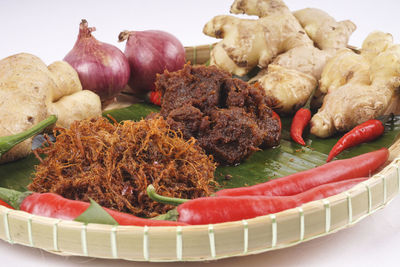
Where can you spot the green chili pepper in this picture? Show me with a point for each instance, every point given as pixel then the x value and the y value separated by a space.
pixel 8 142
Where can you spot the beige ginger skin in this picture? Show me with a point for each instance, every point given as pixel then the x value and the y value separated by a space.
pixel 30 91
pixel 281 42
pixel 359 87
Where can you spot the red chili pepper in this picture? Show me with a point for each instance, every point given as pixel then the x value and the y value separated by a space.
pixel 359 166
pixel 56 206
pixel 225 209
pixel 5 204
pixel 365 132
pixel 154 97
pixel 276 116
pixel 299 122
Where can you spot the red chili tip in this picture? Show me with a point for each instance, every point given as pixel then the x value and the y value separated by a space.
pixel 301 141
pixel 5 204
pixel 330 157
pixel 299 122
pixel 276 116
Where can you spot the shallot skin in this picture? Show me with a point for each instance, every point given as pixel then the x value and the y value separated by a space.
pixel 149 53
pixel 102 67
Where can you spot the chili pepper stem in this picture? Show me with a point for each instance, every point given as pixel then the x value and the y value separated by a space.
pixel 12 197
pixel 8 142
pixel 171 215
pixel 151 192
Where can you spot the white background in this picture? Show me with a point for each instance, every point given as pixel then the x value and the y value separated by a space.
pixel 48 29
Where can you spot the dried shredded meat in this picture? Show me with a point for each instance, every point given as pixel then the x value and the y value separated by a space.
pixel 114 163
pixel 229 117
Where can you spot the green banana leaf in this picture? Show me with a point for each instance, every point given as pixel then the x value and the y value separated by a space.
pixel 290 157
pixel 96 214
pixel 263 165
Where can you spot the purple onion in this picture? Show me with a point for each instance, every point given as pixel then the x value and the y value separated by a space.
pixel 102 67
pixel 151 52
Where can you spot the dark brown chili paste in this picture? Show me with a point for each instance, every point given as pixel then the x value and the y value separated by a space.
pixel 230 118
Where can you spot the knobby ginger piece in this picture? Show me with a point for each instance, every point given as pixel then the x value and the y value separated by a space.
pixel 327 33
pixel 69 102
pixel 348 65
pixel 30 92
pixel 68 83
pixel 72 107
pixel 288 84
pixel 248 43
pixel 276 40
pixel 243 47
pixel 359 87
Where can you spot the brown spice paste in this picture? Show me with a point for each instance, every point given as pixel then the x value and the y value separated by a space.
pixel 114 163
pixel 229 117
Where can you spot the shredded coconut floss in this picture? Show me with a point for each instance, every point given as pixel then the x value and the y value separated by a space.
pixel 113 163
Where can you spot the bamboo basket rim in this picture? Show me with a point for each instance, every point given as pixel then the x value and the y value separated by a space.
pixel 27 235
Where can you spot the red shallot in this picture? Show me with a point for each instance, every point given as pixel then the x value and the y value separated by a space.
pixel 151 52
pixel 102 67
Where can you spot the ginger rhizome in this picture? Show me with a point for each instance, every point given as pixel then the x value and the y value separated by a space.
pixel 358 87
pixel 279 42
pixel 30 91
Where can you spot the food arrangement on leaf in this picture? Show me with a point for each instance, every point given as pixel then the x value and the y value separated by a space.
pixel 113 164
pixel 229 141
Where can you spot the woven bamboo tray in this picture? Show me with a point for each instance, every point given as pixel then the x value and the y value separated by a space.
pixel 206 242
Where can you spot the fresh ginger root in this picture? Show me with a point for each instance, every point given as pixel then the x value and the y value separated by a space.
pixel 358 87
pixel 30 91
pixel 278 42
pixel 328 34
pixel 69 101
pixel 244 43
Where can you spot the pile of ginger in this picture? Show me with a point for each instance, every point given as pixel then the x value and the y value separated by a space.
pixel 357 87
pixel 305 53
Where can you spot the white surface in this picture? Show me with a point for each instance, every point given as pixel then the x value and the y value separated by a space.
pixel 48 29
